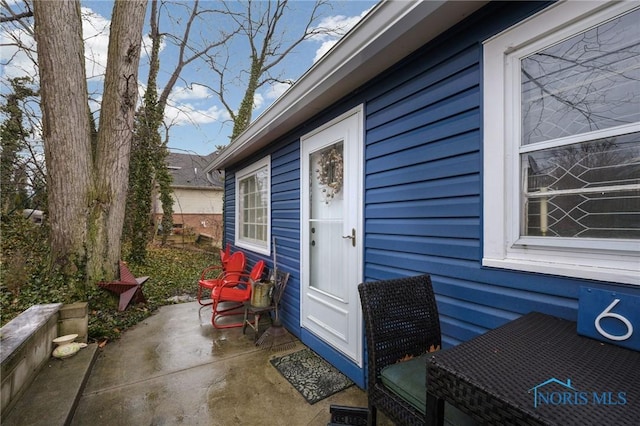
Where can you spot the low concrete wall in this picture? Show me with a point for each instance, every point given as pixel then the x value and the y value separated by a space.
pixel 74 319
pixel 27 344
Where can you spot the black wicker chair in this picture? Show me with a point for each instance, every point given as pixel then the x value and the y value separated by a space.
pixel 401 321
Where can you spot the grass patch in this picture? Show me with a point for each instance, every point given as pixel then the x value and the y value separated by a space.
pixel 172 272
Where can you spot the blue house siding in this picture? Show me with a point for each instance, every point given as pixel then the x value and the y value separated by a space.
pixel 285 226
pixel 229 207
pixel 422 188
pixel 423 185
pixel 285 221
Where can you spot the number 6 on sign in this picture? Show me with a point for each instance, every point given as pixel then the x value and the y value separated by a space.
pixel 610 315
pixel 607 313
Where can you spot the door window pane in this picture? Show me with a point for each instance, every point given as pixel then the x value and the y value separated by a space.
pixel 326 220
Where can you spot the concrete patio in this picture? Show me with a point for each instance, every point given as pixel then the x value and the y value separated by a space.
pixel 175 368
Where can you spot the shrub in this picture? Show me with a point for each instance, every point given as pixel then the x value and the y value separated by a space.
pixel 26 280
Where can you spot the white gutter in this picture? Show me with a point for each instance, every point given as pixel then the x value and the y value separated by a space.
pixel 387 34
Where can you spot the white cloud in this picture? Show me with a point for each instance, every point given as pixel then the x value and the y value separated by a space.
pixel 187 114
pixel 180 113
pixel 324 48
pixel 196 91
pixel 18 62
pixel 276 90
pixel 258 101
pixel 95 31
pixel 341 24
pixel 273 92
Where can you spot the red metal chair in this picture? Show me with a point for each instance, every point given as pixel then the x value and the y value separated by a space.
pixel 233 293
pixel 225 254
pixel 232 266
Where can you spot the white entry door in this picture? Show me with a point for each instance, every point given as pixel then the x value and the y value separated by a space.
pixel 331 195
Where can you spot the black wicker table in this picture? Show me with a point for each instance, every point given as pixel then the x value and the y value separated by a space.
pixel 537 370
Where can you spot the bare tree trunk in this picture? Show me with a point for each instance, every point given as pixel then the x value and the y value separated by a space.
pixel 65 111
pixel 87 189
pixel 114 138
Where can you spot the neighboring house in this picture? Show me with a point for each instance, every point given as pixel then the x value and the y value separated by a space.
pixel 197 195
pixel 493 145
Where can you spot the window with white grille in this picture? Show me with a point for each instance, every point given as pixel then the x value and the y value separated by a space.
pixel 562 143
pixel 253 206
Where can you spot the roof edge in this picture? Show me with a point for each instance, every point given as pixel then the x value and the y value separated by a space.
pixel 387 34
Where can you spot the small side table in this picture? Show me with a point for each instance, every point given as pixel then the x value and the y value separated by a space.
pixel 257 312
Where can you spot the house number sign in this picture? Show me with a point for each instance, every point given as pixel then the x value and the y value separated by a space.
pixel 610 316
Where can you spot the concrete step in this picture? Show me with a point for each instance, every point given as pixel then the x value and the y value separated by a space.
pixel 52 397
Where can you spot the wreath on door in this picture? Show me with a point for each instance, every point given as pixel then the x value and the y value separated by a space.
pixel 330 173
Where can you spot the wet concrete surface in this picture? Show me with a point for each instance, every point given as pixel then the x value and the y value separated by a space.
pixel 175 368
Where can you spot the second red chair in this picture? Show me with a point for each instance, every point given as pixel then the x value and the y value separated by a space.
pixel 231 268
pixel 233 293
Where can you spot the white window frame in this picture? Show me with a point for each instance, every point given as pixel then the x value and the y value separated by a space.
pixel 252 244
pixel 503 246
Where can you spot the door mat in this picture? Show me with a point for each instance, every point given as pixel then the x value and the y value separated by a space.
pixel 311 375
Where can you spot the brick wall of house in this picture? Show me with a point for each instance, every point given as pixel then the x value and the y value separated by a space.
pixel 209 225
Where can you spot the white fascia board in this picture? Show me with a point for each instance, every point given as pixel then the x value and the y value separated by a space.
pixel 390 32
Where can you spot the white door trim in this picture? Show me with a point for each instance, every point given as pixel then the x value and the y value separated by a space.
pixel 354 183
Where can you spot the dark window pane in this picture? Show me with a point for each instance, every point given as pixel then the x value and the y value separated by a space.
pixel 585 190
pixel 589 215
pixel 588 82
pixel 604 162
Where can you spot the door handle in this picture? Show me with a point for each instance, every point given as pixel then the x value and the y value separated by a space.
pixel 352 237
